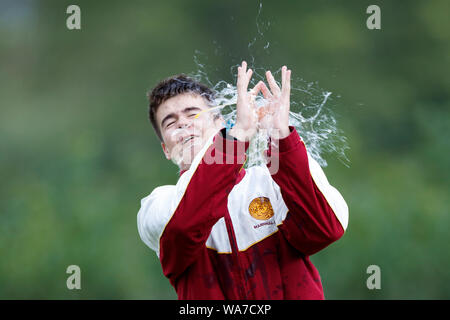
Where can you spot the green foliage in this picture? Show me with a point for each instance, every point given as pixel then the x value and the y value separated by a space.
pixel 78 153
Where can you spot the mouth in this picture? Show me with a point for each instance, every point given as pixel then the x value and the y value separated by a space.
pixel 188 138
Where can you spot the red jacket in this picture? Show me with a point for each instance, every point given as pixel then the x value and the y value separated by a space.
pixel 223 232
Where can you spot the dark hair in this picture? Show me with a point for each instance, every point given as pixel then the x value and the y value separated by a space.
pixel 172 87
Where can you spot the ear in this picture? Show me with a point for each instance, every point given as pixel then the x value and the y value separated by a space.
pixel 165 150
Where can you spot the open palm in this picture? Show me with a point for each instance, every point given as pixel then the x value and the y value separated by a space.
pixel 275 114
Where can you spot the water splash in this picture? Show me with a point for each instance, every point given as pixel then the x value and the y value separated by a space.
pixel 310 112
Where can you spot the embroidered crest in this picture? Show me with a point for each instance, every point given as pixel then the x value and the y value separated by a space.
pixel 260 208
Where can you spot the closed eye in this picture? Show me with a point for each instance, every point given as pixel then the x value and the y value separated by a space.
pixel 191 112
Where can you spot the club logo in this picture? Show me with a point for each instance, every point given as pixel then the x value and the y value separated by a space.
pixel 260 208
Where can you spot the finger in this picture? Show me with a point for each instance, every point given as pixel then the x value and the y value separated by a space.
pixel 241 83
pixel 249 74
pixel 265 91
pixel 272 83
pixel 242 69
pixel 248 77
pixel 256 89
pixel 287 86
pixel 283 77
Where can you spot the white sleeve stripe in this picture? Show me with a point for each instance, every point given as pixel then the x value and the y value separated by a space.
pixel 331 195
pixel 158 208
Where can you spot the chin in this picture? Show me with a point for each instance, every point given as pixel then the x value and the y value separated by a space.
pixel 184 158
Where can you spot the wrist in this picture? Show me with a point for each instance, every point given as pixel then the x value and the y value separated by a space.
pixel 285 144
pixel 280 133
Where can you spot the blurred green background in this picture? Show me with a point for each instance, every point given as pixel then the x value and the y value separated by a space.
pixel 77 152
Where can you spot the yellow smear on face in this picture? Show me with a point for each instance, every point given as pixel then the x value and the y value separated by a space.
pixel 213 108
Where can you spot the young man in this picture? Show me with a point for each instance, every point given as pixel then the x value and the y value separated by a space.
pixel 223 232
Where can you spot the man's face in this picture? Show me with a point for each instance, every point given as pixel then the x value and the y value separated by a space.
pixel 183 134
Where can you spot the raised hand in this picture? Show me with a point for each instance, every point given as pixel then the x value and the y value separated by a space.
pixel 275 115
pixel 246 116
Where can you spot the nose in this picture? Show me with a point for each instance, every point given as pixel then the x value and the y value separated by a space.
pixel 183 122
